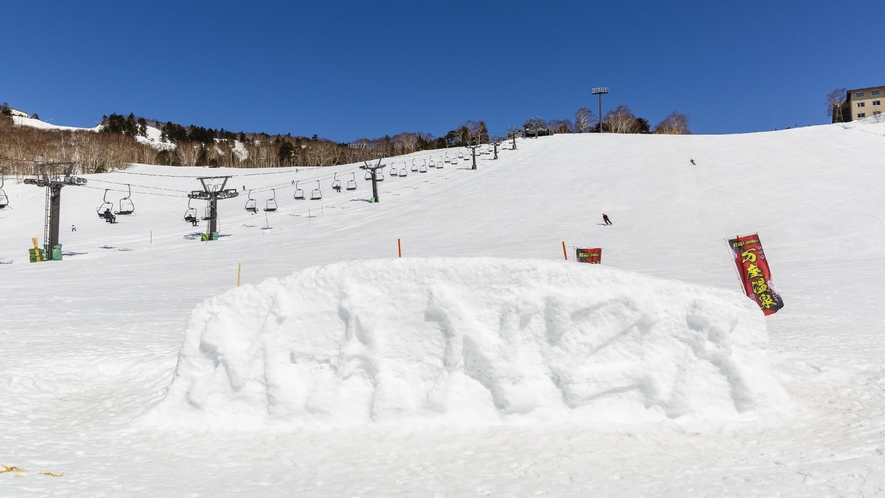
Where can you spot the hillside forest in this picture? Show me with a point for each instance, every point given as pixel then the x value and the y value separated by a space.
pixel 120 140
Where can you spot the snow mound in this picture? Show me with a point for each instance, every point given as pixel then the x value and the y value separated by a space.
pixel 470 342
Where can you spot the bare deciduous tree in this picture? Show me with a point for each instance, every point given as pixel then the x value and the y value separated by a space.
pixel 585 120
pixel 673 124
pixel 188 152
pixel 620 120
pixel 560 126
pixel 835 100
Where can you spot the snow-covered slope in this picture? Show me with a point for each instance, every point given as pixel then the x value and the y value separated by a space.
pixel 91 343
pixel 43 125
pixel 152 135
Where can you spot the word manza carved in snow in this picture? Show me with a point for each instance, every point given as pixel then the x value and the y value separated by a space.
pixel 472 341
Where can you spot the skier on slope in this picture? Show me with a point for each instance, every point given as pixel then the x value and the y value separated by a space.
pixel 606 220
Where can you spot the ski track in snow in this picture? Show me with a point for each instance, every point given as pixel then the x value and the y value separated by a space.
pixel 91 343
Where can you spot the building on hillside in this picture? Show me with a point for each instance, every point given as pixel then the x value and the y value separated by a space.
pixel 16 112
pixel 861 103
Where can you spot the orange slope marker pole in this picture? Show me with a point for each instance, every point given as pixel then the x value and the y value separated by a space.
pixel 564 252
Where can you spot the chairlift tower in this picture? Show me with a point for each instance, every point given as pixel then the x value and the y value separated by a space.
pixel 373 169
pixel 213 190
pixel 513 130
pixel 473 148
pixel 49 176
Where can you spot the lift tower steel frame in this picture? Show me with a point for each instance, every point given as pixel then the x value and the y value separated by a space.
pixel 373 169
pixel 473 146
pixel 53 181
pixel 212 192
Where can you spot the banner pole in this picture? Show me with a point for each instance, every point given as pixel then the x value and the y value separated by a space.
pixel 399 248
pixel 734 264
pixel 239 268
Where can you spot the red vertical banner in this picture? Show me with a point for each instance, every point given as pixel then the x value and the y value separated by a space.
pixel 592 256
pixel 754 272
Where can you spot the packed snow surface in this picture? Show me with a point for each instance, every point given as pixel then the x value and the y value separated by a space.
pixel 96 350
pixel 473 340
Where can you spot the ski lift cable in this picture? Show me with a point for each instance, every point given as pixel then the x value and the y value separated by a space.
pixel 91 180
pixel 283 186
pixel 187 177
pixel 139 193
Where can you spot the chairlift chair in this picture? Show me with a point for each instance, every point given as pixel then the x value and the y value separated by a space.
pixel 440 164
pixel 379 174
pixel 351 184
pixel 4 200
pixel 403 171
pixel 190 215
pixel 414 166
pixel 455 160
pixel 299 192
pixel 126 205
pixel 394 171
pixel 251 205
pixel 368 176
pixel 106 206
pixel 271 204
pixel 423 167
pixel 447 158
pixel 316 194
pixel 432 164
pixel 336 183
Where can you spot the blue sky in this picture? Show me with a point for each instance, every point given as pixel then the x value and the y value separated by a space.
pixel 345 70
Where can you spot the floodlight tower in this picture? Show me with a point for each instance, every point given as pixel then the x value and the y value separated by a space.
pixel 373 170
pixel 599 91
pixel 359 145
pixel 53 181
pixel 213 190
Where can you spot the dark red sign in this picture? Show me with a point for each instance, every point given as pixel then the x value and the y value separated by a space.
pixel 755 273
pixel 592 256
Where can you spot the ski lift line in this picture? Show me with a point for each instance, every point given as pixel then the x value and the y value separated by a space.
pixel 158 175
pixel 280 186
pixel 139 186
pixel 189 177
pixel 288 171
pixel 139 193
pixel 283 186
